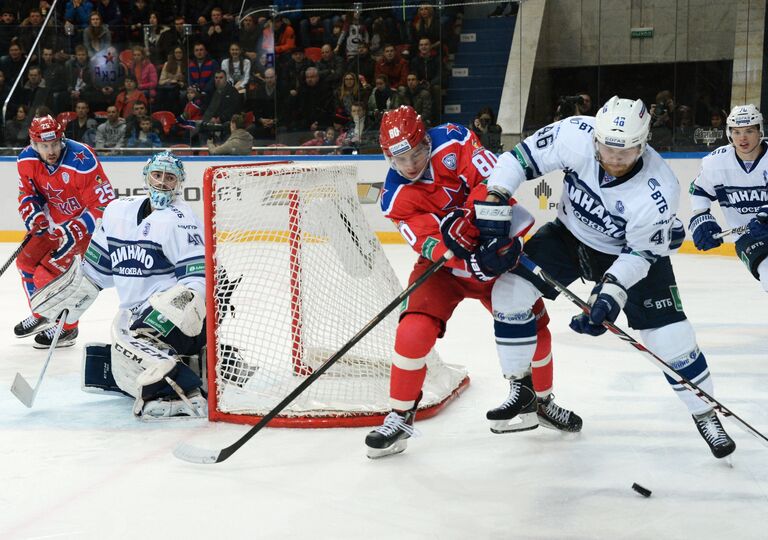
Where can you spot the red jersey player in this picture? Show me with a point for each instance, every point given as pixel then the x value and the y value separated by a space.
pixel 62 193
pixel 434 174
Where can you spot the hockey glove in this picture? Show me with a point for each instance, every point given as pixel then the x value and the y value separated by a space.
pixel 68 234
pixel 606 301
pixel 703 226
pixel 493 219
pixel 494 257
pixel 34 218
pixel 459 233
pixel 758 226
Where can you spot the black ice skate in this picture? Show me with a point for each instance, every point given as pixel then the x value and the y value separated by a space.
pixel 712 431
pixel 44 339
pixel 519 411
pixel 392 436
pixel 553 416
pixel 32 325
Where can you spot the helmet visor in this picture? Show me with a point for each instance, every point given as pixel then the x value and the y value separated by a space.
pixel 412 163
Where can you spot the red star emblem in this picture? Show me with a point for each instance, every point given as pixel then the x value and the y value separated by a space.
pixel 451 127
pixel 454 201
pixel 80 156
pixel 109 57
pixel 53 194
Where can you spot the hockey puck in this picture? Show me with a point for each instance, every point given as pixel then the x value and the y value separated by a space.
pixel 641 490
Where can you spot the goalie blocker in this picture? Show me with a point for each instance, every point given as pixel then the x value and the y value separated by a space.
pixel 145 361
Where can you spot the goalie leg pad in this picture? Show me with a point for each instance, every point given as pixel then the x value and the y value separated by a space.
pixel 97 370
pixel 72 291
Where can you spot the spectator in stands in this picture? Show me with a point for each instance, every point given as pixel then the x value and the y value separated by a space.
pixel 108 74
pixel 4 88
pixel 487 130
pixel 144 137
pixel 111 134
pixel 17 129
pixel 312 105
pixel 237 68
pixel 224 103
pixel 418 97
pixel 129 96
pixel 239 143
pixel 284 36
pixel 425 25
pixel 363 64
pixel 97 36
pixel 265 105
pixel 110 13
pixel 30 28
pixel 426 65
pixel 683 136
pixel 378 38
pixel 145 72
pixel 349 92
pixel 173 80
pixel 132 123
pixel 394 67
pixel 662 121
pixel 83 127
pixel 330 66
pixel 8 28
pixel 34 93
pixel 152 35
pixel 78 76
pixel 249 36
pixel 353 33
pixel 314 30
pixel 12 63
pixel 193 109
pixel 584 107
pixel 136 20
pixel 361 133
pixel 382 99
pixel 217 34
pixel 292 75
pixel 55 79
pixel 201 69
pixel 175 37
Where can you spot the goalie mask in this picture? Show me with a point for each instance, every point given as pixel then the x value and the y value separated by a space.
pixel 621 131
pixel 743 116
pixel 163 176
pixel 405 143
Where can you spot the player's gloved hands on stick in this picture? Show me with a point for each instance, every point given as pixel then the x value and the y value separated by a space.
pixel 606 301
pixel 34 218
pixel 758 226
pixel 703 227
pixel 495 256
pixel 67 234
pixel 460 235
pixel 493 219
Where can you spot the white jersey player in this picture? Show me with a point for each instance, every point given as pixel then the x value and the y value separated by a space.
pixel 736 176
pixel 616 226
pixel 151 250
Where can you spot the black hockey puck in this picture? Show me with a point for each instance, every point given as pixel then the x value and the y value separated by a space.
pixel 641 490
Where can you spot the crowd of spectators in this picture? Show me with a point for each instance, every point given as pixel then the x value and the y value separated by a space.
pixel 148 73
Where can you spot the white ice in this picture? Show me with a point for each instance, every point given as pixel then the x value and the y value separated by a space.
pixel 79 466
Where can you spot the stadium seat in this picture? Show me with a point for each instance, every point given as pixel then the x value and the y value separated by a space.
pixel 100 115
pixel 313 53
pixel 65 118
pixel 166 118
pixel 126 57
pixel 250 119
pixel 178 149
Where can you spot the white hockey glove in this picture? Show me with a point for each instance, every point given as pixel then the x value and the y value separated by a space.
pixel 72 290
pixel 183 307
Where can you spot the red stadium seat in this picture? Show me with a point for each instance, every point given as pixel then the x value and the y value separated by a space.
pixel 100 115
pixel 65 118
pixel 249 119
pixel 313 53
pixel 166 118
pixel 126 57
pixel 178 149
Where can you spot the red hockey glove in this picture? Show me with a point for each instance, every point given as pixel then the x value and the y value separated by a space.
pixel 459 233
pixel 34 218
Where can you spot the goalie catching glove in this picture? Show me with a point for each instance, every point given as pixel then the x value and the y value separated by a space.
pixel 183 306
pixel 72 290
pixel 606 301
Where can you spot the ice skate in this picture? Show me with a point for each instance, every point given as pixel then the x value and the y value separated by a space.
pixel 44 339
pixel 518 412
pixel 713 433
pixel 392 436
pixel 32 325
pixel 553 416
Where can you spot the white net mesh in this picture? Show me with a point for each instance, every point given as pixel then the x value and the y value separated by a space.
pixel 298 273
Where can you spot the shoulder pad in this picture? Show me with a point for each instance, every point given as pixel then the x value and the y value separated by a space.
pixel 447 132
pixel 79 156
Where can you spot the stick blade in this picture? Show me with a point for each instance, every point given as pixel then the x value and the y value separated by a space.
pixel 195 454
pixel 21 389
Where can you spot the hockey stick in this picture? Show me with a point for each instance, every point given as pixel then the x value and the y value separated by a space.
pixel 15 254
pixel 652 357
pixel 20 387
pixel 735 230
pixel 195 454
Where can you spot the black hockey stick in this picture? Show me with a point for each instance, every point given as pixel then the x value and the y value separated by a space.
pixel 735 230
pixel 195 454
pixel 15 254
pixel 654 359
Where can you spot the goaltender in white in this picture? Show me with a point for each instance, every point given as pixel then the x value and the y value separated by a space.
pixel 151 250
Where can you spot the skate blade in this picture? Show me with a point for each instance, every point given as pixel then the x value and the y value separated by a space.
pixel 396 448
pixel 521 422
pixel 543 422
pixel 59 345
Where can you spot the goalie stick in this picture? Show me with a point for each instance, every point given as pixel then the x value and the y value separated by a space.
pixel 15 254
pixel 735 230
pixel 652 357
pixel 194 454
pixel 20 387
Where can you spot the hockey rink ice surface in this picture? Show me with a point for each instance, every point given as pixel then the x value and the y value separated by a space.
pixel 79 466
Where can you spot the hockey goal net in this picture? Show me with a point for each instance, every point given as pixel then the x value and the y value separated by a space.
pixel 293 272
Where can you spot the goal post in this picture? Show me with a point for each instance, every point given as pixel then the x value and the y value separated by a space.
pixel 293 271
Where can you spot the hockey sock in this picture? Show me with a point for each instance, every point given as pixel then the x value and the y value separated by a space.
pixel 515 341
pixel 542 367
pixel 416 335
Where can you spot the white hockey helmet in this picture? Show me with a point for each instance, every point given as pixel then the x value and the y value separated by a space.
pixel 164 162
pixel 743 116
pixel 622 123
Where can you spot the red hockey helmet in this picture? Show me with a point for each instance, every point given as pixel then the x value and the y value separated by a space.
pixel 401 130
pixel 45 129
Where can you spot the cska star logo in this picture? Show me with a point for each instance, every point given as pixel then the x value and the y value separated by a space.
pixel 54 194
pixel 109 57
pixel 456 197
pixel 80 156
pixel 451 127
